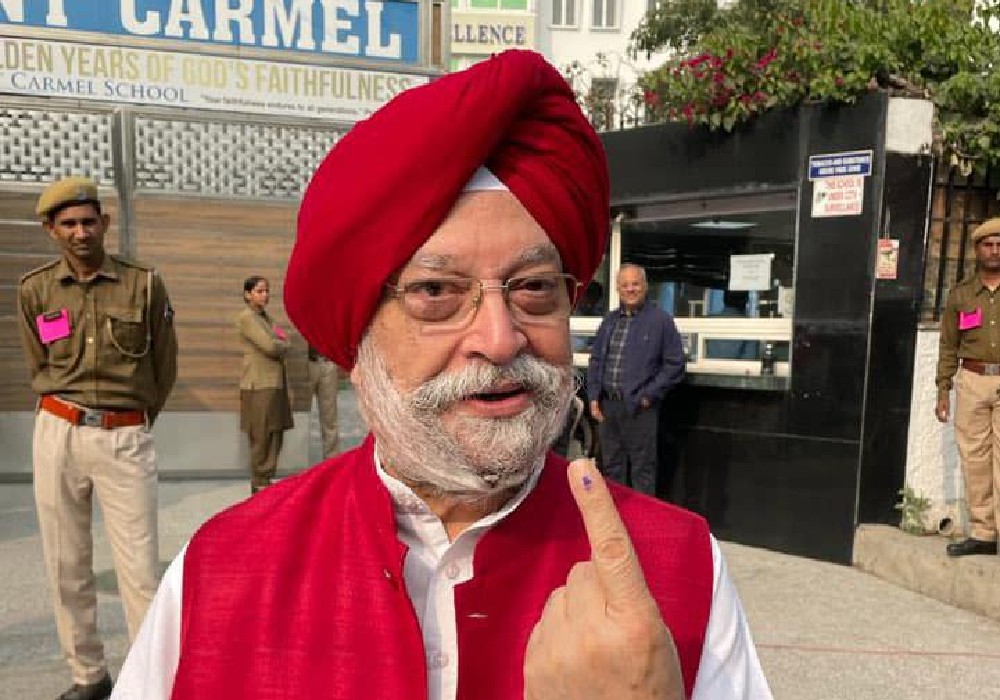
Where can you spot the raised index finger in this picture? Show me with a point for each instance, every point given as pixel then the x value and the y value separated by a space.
pixel 610 546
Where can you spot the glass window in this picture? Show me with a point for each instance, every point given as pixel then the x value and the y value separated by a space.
pixel 513 4
pixel 563 13
pixel 592 306
pixel 483 4
pixel 605 14
pixel 689 260
pixel 724 268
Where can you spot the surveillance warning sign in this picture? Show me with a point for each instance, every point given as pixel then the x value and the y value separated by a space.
pixel 839 183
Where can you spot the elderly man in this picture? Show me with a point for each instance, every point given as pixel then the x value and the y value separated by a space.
pixel 637 358
pixel 451 556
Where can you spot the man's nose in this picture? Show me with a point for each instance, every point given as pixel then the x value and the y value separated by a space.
pixel 495 334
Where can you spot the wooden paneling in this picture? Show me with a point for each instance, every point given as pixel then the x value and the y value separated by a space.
pixel 204 249
pixel 24 246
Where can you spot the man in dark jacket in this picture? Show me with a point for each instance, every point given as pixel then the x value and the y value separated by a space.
pixel 636 359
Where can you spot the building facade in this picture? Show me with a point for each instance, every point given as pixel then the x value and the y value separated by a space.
pixel 201 123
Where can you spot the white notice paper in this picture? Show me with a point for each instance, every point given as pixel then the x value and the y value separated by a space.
pixel 750 273
pixel 838 196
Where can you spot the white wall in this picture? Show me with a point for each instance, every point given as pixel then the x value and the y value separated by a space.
pixel 932 466
pixel 583 42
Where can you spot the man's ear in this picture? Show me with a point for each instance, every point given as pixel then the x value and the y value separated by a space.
pixel 49 229
pixel 354 374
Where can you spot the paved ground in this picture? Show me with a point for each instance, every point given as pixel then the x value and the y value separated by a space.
pixel 823 631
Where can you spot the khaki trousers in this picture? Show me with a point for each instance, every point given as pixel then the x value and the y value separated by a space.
pixel 71 464
pixel 324 376
pixel 977 432
pixel 264 451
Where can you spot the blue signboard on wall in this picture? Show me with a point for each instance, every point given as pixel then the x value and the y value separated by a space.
pixel 366 29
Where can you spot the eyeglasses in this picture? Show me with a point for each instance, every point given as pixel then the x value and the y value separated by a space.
pixel 450 303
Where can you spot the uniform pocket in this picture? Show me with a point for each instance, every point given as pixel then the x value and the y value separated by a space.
pixel 126 329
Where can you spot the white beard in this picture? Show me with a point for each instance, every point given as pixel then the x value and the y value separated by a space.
pixel 465 457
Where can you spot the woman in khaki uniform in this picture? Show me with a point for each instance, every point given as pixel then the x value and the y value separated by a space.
pixel 265 409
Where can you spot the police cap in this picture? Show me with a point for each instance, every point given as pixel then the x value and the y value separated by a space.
pixel 990 227
pixel 66 192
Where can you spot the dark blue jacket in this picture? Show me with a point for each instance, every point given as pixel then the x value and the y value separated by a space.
pixel 653 361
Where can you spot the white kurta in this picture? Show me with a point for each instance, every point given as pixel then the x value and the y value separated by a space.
pixel 434 566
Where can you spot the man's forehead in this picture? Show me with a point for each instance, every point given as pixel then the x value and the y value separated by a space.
pixel 429 257
pixel 76 211
pixel 992 239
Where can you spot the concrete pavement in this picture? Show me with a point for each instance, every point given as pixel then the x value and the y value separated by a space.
pixel 823 631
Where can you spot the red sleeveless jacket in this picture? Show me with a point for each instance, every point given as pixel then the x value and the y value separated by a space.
pixel 299 591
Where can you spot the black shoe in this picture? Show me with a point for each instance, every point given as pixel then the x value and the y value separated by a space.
pixel 101 690
pixel 971 546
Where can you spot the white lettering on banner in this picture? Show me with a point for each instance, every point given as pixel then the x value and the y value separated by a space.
pixel 57 14
pixel 146 27
pixel 121 74
pixel 337 26
pixel 376 48
pixel 298 16
pixel 14 9
pixel 333 26
pixel 225 15
pixel 188 11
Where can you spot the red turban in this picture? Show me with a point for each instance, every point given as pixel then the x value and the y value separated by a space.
pixel 389 183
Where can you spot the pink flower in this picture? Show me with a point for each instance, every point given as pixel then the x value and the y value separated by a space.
pixel 719 77
pixel 766 59
pixel 650 98
pixel 839 81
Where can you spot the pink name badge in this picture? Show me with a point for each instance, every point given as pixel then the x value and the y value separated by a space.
pixel 278 331
pixel 968 320
pixel 53 326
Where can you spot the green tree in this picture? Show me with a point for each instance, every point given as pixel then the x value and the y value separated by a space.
pixel 729 64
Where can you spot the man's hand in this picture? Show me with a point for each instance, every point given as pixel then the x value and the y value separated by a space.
pixel 601 636
pixel 943 409
pixel 644 402
pixel 595 411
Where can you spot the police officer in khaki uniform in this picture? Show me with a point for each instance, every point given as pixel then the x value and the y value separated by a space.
pixel 265 406
pixel 98 335
pixel 324 380
pixel 970 346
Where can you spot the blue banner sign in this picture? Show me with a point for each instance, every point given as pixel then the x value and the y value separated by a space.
pixel 838 164
pixel 367 29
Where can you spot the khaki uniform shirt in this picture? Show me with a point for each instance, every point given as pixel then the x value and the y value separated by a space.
pixel 263 351
pixel 119 353
pixel 981 342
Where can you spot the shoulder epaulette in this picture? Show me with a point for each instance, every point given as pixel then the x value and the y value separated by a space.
pixel 132 263
pixel 41 268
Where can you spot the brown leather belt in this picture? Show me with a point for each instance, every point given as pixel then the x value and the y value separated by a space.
pixel 77 415
pixel 987 368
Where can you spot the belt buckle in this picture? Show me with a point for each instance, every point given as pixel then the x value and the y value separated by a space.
pixel 92 419
pixel 991 370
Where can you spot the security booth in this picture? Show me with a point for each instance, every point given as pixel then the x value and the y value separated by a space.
pixel 201 123
pixel 790 253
